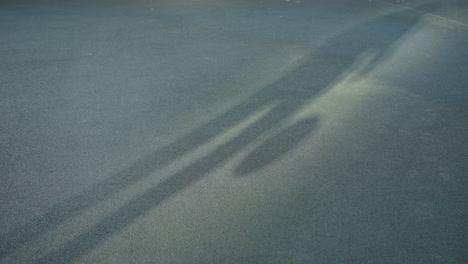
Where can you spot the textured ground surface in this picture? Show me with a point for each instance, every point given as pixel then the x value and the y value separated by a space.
pixel 234 132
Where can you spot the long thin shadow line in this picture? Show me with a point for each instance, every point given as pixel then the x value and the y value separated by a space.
pixel 180 181
pixel 276 146
pixel 164 190
pixel 140 169
pixel 60 213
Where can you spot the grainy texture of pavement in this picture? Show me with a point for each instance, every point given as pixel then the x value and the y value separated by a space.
pixel 274 131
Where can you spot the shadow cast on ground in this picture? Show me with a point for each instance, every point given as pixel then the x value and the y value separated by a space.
pixel 324 67
pixel 277 146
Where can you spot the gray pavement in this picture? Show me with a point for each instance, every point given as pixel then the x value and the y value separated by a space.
pixel 233 132
pixel 456 11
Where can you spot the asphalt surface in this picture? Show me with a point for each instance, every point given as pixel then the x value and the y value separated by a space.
pixel 234 132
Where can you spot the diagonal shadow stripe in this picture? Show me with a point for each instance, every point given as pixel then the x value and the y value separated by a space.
pixel 277 146
pixel 323 67
pixel 164 190
pixel 139 170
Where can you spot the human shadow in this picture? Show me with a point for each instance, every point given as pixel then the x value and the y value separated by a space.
pixel 314 76
pixel 276 146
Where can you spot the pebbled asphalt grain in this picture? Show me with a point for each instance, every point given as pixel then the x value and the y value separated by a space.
pixel 233 132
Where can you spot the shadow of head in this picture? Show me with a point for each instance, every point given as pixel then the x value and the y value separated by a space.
pixel 429 7
pixel 277 146
pixel 422 5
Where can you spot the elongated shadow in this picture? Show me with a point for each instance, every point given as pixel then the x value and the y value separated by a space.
pixel 313 77
pixel 277 146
